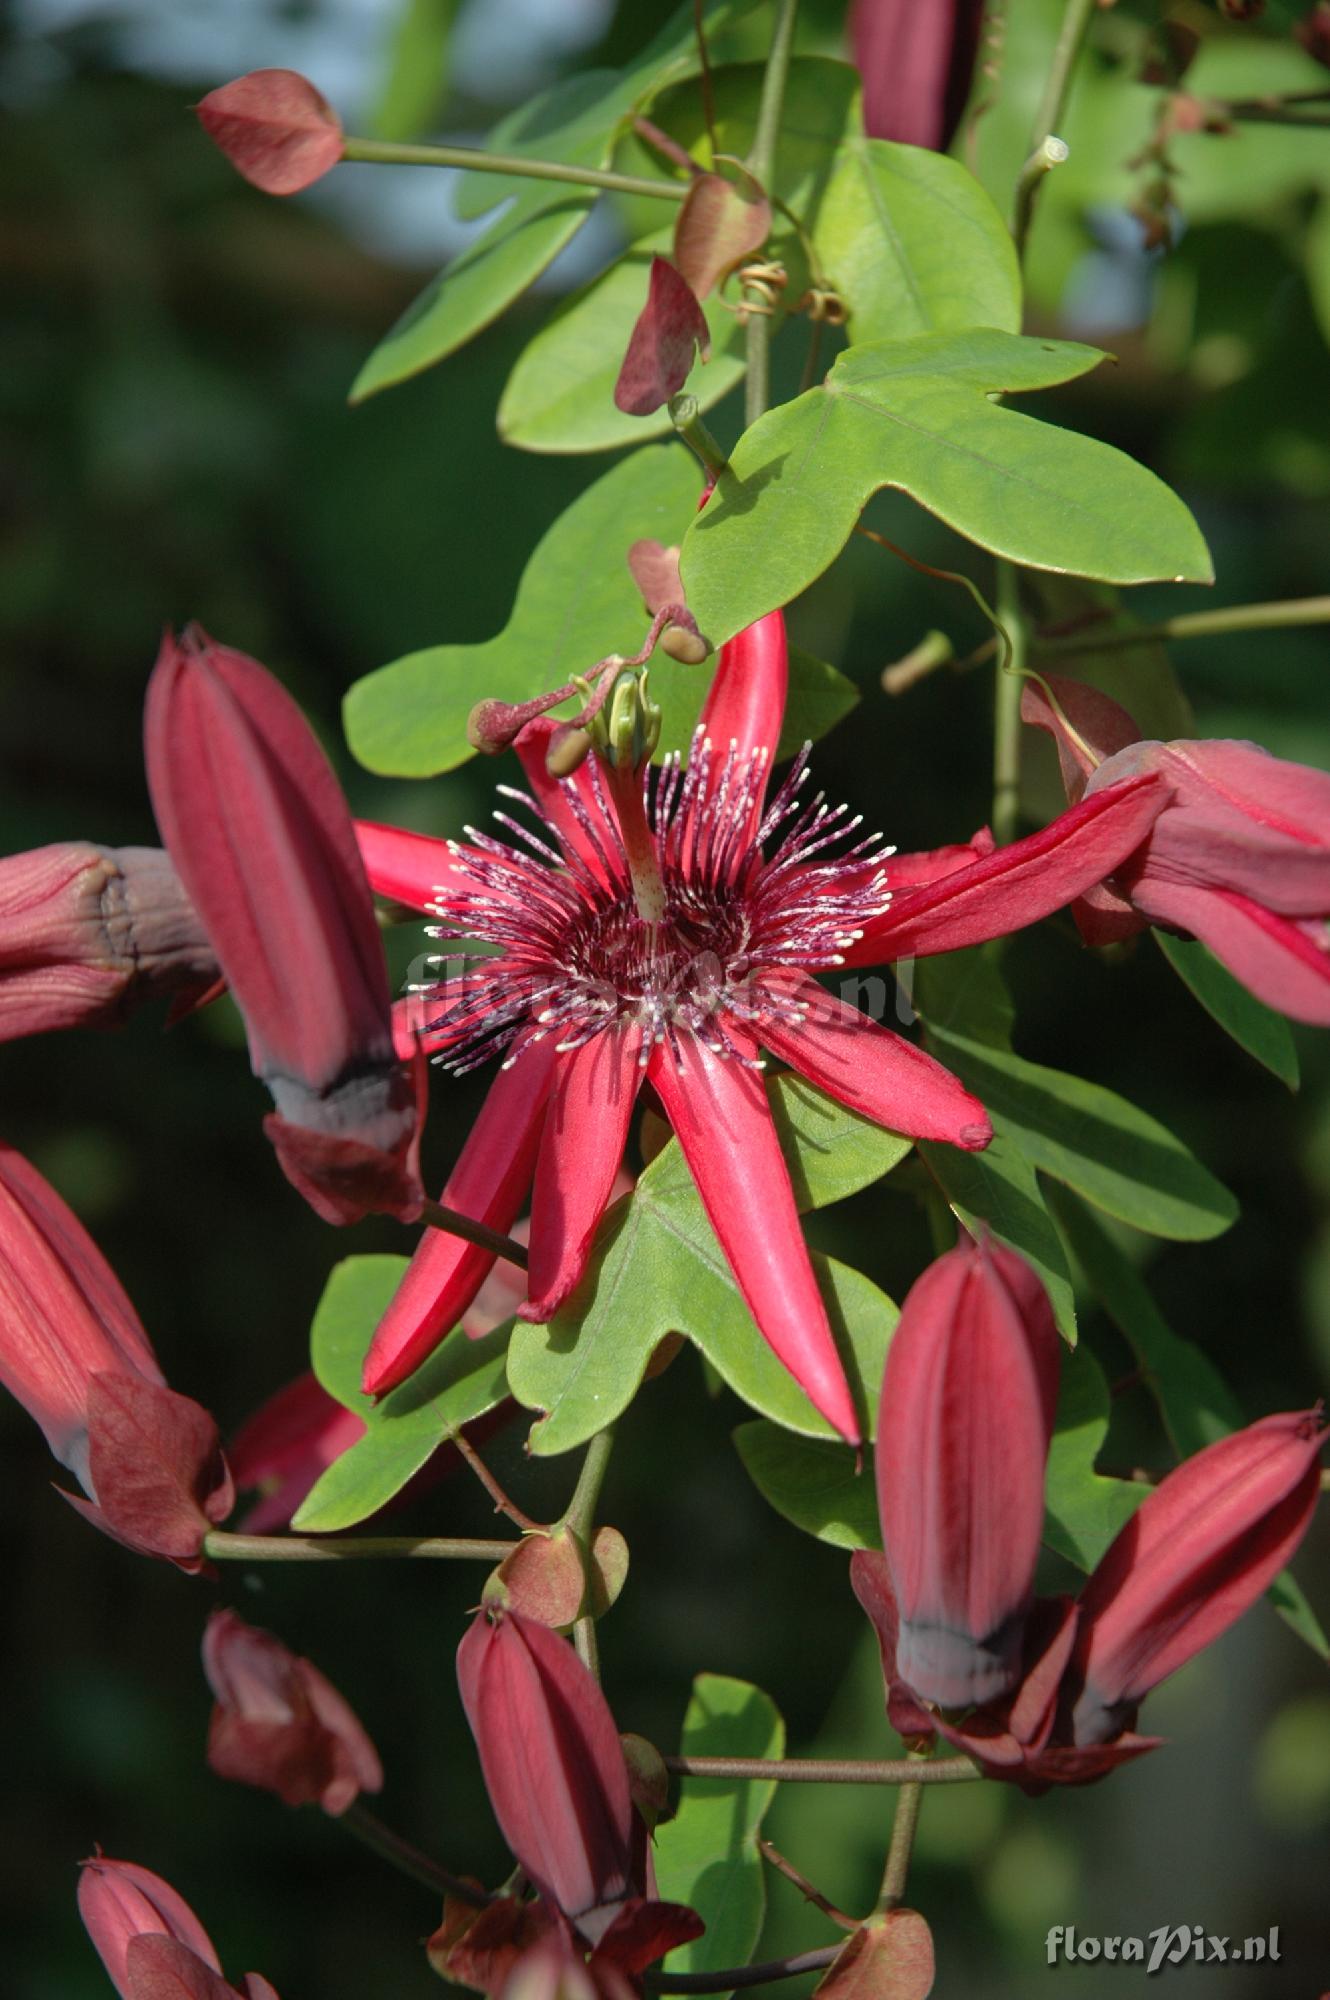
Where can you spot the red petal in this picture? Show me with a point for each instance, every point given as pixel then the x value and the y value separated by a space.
pixel 930 864
pixel 746 702
pixel 1017 885
pixel 875 1071
pixel 488 1183
pixel 275 128
pixel 1090 728
pixel 581 1150
pixel 410 868
pixel 719 1111
pixel 660 348
pixel 1283 962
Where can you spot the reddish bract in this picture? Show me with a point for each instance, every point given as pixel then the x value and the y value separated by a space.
pixel 275 128
pixel 670 328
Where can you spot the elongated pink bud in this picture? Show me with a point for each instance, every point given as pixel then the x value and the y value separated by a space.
pixel 968 1399
pixel 552 1762
pixel 916 62
pixel 119 1901
pixel 280 1724
pixel 64 1315
pixel 275 128
pixel 257 826
pixel 1194 1556
pixel 88 934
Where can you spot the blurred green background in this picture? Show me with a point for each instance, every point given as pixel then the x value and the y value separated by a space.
pixel 174 356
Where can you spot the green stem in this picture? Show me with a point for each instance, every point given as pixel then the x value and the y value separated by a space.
pixel 829 1770
pixel 744 1975
pixel 453 1223
pixel 760 163
pixel 387 152
pixel 903 1827
pixel 1197 624
pixel 224 1547
pixel 687 421
pixel 1046 149
pixel 578 1519
pixel 1008 682
pixel 408 1860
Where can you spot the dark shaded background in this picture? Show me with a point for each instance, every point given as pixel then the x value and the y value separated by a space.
pixel 174 354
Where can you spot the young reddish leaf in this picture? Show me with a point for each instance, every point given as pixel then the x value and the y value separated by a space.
pixel 275 128
pixel 660 348
pixel 720 224
pixel 888 1958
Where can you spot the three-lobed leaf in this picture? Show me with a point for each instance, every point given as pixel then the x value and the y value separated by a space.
pixel 461 1380
pixel 920 415
pixel 576 603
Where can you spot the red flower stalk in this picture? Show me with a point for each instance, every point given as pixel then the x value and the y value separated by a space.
pixel 257 826
pixel 968 1400
pixel 553 1765
pixel 88 934
pixel 916 62
pixel 149 1939
pixel 1199 1551
pixel 1239 857
pixel 588 997
pixel 280 1724
pixel 275 128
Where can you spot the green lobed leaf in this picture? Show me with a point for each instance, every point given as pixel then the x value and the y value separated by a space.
pixel 658 1269
pixel 576 603
pixel 1194 1401
pixel 912 244
pixel 1084 1510
pixel 577 123
pixel 919 415
pixel 461 1380
pixel 707 1855
pixel 1252 1025
pixel 1118 1157
pixel 825 1489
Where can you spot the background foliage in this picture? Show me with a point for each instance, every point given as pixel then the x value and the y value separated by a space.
pixel 175 354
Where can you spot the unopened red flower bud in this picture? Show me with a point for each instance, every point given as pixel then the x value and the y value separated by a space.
pixel 150 1941
pixel 1195 1555
pixel 917 63
pixel 280 1724
pixel 553 1764
pixel 89 933
pixel 968 1399
pixel 64 1315
pixel 275 128
pixel 1313 31
pixel 257 826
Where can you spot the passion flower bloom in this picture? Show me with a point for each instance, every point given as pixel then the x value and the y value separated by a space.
pixel 88 934
pixel 968 1400
pixel 1239 857
pixel 256 824
pixel 149 1939
pixel 665 933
